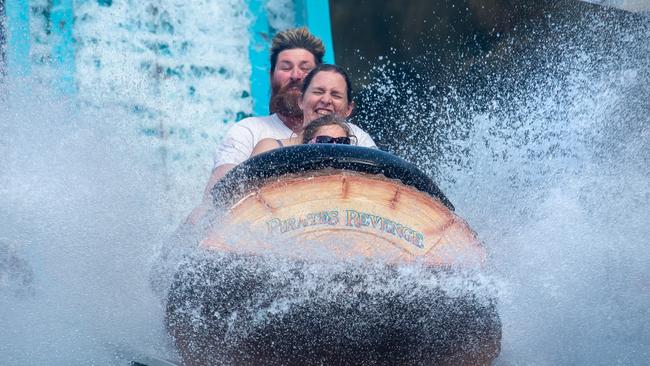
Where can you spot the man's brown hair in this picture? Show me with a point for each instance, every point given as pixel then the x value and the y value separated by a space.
pixel 296 38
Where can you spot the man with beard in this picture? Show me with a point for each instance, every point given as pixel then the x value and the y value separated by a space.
pixel 294 53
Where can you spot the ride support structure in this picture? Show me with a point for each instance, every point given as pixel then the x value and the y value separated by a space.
pixel 313 14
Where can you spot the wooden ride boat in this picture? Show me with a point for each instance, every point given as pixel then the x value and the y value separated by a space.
pixel 375 204
pixel 332 203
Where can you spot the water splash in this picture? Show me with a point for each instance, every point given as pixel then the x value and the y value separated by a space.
pixel 81 215
pixel 548 163
pixel 237 309
pixel 546 155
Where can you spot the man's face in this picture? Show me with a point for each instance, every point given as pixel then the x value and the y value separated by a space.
pixel 286 80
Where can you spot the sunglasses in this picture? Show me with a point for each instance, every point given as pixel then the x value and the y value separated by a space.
pixel 330 140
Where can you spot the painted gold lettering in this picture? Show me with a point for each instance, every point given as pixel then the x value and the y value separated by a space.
pixel 389 226
pixel 333 218
pixel 352 218
pixel 365 219
pixel 419 240
pixel 289 224
pixel 376 221
pixel 274 226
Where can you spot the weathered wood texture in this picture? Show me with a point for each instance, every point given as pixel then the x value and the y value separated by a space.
pixel 346 215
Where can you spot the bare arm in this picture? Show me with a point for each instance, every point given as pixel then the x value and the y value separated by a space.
pixel 264 146
pixel 221 170
pixel 234 148
pixel 199 211
pixel 217 174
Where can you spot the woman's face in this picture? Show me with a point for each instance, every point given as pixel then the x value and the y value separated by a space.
pixel 326 94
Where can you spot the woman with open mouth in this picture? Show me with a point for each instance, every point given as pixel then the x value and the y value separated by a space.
pixel 326 91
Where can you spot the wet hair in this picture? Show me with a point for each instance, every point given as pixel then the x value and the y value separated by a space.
pixel 310 130
pixel 331 68
pixel 296 38
pixel 229 309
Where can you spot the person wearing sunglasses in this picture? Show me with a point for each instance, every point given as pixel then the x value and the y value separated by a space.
pixel 330 129
pixel 326 91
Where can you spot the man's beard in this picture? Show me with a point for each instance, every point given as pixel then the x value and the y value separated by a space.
pixel 284 100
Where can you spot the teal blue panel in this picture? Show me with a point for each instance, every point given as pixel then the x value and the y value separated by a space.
pixel 315 14
pixel 61 23
pixel 299 10
pixel 311 13
pixel 18 37
pixel 259 58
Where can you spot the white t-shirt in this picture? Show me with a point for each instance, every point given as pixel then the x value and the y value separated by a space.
pixel 241 138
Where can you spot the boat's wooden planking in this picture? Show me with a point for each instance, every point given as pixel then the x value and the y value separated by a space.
pixel 346 214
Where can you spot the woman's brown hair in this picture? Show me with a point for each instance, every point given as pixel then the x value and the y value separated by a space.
pixel 330 120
